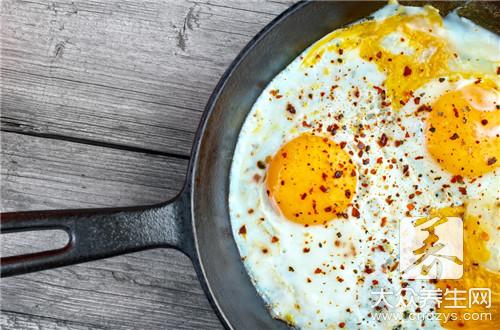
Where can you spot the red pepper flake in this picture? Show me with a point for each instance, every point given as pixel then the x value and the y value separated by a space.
pixel 375 282
pixel 250 211
pixel 419 157
pixel 381 248
pixel 383 222
pixel 338 174
pixel 356 93
pixel 318 271
pixel 492 161
pixel 406 170
pixel 309 280
pixel 383 140
pixel 340 279
pixel 341 324
pixel 347 193
pixel 243 230
pixel 369 270
pixel 353 173
pixel 462 190
pixel 274 92
pixel 454 136
pixel 261 165
pixel 328 209
pixel 264 250
pixel 290 108
pixel 306 250
pixel 274 239
pixel 341 51
pixel 397 143
pixel 498 70
pixel 332 128
pixel 303 196
pixel 379 54
pixel 256 178
pixel 379 90
pixel 407 71
pixel 379 160
pixel 457 178
pixel 355 212
pixel 416 100
pixel 424 108
pixel 484 122
pixel 366 161
pixel 323 188
pixel 305 124
pixel 343 144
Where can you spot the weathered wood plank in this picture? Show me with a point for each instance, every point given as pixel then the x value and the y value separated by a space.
pixel 40 173
pixel 15 321
pixel 132 73
pixel 127 74
pixel 154 289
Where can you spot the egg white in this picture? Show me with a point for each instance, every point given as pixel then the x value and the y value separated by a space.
pixel 345 247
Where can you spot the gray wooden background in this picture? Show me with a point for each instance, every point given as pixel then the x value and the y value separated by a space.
pixel 100 101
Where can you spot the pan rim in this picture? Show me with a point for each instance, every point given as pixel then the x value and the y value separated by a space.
pixel 209 109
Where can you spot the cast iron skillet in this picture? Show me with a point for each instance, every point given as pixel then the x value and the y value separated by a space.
pixel 197 220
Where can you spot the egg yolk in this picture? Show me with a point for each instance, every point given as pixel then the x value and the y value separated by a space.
pixel 311 180
pixel 463 130
pixel 475 276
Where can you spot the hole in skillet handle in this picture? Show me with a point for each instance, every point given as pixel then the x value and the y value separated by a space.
pixel 30 242
pixel 99 233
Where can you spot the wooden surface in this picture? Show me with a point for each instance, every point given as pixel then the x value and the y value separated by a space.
pixel 100 101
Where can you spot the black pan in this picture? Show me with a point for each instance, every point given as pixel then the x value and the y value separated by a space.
pixel 197 220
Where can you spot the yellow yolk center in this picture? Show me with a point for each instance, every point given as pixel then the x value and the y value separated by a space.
pixel 475 276
pixel 463 130
pixel 311 180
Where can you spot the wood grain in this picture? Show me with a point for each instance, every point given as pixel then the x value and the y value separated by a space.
pixel 100 101
pixel 155 288
pixel 40 173
pixel 120 72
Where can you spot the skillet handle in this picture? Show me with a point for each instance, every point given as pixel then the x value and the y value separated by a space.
pixel 100 233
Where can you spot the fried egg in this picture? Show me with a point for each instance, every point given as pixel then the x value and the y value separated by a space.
pixel 391 117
